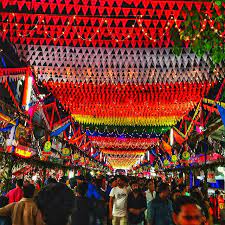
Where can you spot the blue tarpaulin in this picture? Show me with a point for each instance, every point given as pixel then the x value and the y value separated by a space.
pixel 222 113
pixel 60 130
pixel 7 128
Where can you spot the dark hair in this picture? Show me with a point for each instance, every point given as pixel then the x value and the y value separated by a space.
pixel 19 183
pixel 182 187
pixel 133 182
pixel 200 199
pixel 82 189
pixel 181 201
pixel 163 187
pixel 56 202
pixel 122 177
pixel 3 201
pixel 28 190
pixel 51 181
pixel 73 182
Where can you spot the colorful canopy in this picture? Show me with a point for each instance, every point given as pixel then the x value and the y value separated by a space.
pixel 110 64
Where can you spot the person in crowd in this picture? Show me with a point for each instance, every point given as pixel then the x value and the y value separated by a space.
pixel 50 180
pixel 16 194
pixel 184 189
pixel 93 191
pixel 56 203
pixel 198 196
pixel 24 212
pixel 3 219
pixel 118 202
pixel 136 205
pixel 150 193
pixel 187 211
pixel 83 207
pixel 175 194
pixel 159 211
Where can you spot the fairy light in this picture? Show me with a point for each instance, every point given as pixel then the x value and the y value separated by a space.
pixel 138 20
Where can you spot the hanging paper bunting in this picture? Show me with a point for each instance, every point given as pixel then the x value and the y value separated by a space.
pixel 128 65
pixel 143 25
pixel 132 143
pixel 127 105
pixel 123 152
pixel 167 148
pixel 137 131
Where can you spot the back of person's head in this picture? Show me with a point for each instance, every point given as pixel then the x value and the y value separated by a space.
pixel 163 187
pixel 19 183
pixel 175 194
pixel 197 195
pixel 3 201
pixel 182 187
pixel 73 182
pixel 28 190
pixel 51 181
pixel 55 202
pixel 82 189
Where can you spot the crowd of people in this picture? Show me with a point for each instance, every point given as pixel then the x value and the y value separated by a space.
pixel 94 201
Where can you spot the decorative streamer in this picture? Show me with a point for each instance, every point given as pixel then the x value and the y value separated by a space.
pixel 132 143
pixel 75 27
pixel 117 65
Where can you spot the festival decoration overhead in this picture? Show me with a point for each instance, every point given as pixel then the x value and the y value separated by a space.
pixel 110 65
pixel 122 162
pixel 105 24
pixel 117 65
pixel 141 105
pixel 129 143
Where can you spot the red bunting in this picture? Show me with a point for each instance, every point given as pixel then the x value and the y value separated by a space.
pixel 117 25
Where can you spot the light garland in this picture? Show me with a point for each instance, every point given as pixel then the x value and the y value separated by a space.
pixel 69 21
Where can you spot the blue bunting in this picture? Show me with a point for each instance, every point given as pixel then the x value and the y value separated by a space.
pixel 60 130
pixel 222 113
pixel 7 128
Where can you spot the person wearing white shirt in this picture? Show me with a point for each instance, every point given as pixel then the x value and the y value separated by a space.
pixel 118 202
pixel 150 193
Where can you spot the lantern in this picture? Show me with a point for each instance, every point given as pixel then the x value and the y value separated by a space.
pixel 174 159
pixel 75 156
pixel 166 162
pixel 156 166
pixel 66 152
pixel 186 155
pixel 47 146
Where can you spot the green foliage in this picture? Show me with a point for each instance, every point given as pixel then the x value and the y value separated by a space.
pixel 202 41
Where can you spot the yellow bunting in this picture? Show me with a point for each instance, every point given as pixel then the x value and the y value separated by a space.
pixel 128 121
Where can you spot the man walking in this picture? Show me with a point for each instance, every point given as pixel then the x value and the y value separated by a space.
pixel 118 202
pixel 160 209
pixel 136 205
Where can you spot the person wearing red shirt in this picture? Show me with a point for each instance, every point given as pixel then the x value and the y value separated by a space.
pixel 16 194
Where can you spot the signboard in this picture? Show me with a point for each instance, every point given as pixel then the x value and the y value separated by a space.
pixel 24 152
